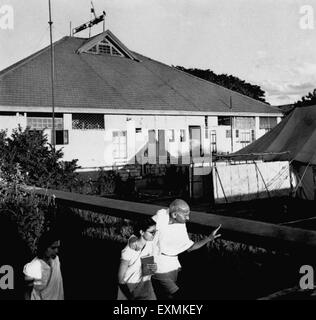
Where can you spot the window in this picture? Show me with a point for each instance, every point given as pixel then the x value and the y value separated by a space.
pixel 228 134
pixel 171 135
pixel 246 123
pixel 224 121
pixel 115 52
pixel 62 137
pixel 267 123
pixel 93 49
pixel 182 135
pixel 138 130
pixel 245 138
pixel 237 133
pixel 253 137
pixel 106 47
pixel 87 121
pixel 213 142
pixel 119 143
pixel 41 123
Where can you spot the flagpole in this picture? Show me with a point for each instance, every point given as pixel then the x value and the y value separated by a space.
pixel 52 73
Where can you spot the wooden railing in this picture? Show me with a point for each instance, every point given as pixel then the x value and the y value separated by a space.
pixel 262 234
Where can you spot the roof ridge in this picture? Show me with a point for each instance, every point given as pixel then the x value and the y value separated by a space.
pixel 29 58
pixel 212 83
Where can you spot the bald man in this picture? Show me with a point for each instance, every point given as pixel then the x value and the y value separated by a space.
pixel 172 239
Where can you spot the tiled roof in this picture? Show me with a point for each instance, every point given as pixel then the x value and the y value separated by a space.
pixel 103 82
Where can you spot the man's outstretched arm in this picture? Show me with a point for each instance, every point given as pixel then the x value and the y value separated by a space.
pixel 199 244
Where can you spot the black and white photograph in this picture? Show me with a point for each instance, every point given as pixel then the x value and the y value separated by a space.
pixel 158 150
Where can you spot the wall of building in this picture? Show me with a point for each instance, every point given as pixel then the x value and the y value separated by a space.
pixel 12 122
pixel 94 148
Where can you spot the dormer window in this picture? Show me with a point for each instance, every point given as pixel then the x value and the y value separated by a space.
pixel 106 44
pixel 105 47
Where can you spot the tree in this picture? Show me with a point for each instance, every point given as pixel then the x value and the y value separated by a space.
pixel 26 158
pixel 39 164
pixel 308 100
pixel 228 81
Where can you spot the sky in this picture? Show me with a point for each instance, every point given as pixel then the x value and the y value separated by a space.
pixel 270 43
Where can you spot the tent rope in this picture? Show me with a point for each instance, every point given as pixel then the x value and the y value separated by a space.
pixel 301 179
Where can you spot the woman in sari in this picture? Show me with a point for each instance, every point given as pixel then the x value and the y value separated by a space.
pixel 42 274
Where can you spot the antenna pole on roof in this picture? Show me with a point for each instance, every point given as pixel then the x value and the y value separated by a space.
pixel 90 23
pixel 231 123
pixel 50 22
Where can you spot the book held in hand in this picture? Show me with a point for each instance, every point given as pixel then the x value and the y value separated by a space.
pixel 146 263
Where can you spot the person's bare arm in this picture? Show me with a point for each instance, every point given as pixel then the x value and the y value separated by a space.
pixel 121 273
pixel 28 285
pixel 199 244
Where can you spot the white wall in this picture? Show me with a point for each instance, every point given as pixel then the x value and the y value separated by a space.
pixel 93 148
pixel 11 122
pixel 88 146
pixel 240 182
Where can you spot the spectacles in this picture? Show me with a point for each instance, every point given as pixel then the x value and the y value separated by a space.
pixel 152 232
pixel 184 213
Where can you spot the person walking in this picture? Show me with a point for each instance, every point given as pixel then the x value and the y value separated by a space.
pixel 137 265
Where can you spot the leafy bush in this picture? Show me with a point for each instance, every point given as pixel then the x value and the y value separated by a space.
pixel 27 210
pixel 26 158
pixel 38 162
pixel 106 182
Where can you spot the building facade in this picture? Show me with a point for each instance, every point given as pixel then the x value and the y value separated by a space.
pixel 116 107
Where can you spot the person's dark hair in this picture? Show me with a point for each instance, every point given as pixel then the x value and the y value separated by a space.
pixel 45 241
pixel 143 225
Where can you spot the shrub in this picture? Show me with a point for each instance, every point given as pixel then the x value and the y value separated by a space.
pixel 25 209
pixel 39 163
pixel 26 158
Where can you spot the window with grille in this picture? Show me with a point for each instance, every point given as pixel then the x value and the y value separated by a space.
pixel 213 142
pixel 267 123
pixel 244 123
pixel 224 121
pixel 41 123
pixel 119 144
pixel 245 138
pixel 106 47
pixel 93 49
pixel 87 121
pixel 253 136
